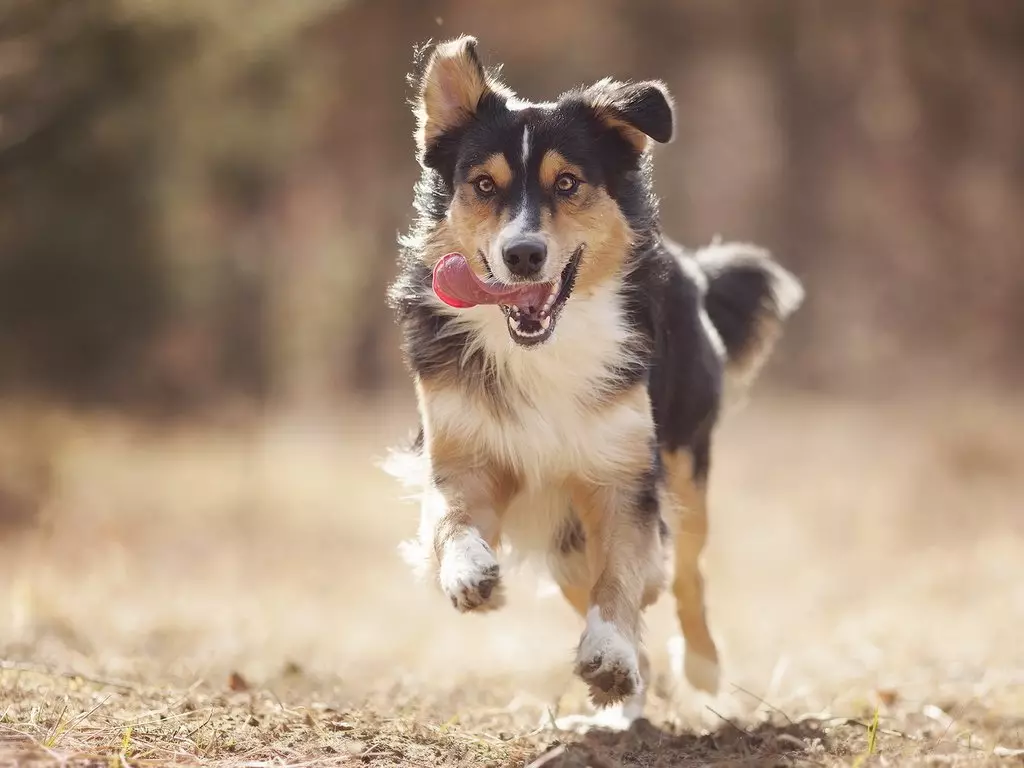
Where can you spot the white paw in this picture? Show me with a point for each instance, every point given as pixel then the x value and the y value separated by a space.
pixel 607 662
pixel 469 575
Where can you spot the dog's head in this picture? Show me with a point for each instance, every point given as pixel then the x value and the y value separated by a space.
pixel 542 198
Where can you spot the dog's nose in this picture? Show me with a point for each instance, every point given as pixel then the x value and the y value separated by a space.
pixel 525 257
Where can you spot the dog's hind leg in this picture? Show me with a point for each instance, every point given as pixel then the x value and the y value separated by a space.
pixel 686 472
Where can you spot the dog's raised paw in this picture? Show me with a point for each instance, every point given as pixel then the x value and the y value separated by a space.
pixel 470 576
pixel 607 662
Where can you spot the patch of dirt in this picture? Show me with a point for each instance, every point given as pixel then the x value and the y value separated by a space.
pixel 211 596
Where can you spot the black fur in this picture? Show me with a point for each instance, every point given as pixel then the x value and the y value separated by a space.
pixel 570 537
pixel 733 300
pixel 646 507
pixel 684 372
pixel 645 106
pixel 430 347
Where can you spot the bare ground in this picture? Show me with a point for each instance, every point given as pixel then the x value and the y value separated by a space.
pixel 229 594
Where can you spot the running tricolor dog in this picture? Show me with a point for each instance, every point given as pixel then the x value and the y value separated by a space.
pixel 569 360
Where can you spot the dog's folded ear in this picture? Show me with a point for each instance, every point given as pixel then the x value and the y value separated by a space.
pixel 636 110
pixel 450 91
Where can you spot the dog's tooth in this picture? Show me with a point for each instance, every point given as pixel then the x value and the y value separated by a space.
pixel 550 300
pixel 545 322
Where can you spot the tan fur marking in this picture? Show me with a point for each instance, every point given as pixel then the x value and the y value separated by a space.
pixel 748 361
pixel 577 595
pixel 624 559
pixel 505 485
pixel 552 165
pixel 621 556
pixel 602 101
pixel 636 137
pixel 471 224
pixel 591 218
pixel 495 166
pixel 603 106
pixel 449 528
pixel 452 86
pixel 451 90
pixel 690 537
pixel 472 480
pixel 472 220
pixel 495 485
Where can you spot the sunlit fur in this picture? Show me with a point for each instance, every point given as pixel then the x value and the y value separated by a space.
pixel 592 448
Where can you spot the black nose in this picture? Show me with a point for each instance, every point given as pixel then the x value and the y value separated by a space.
pixel 525 257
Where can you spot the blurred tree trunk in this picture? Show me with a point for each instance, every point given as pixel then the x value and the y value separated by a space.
pixel 81 278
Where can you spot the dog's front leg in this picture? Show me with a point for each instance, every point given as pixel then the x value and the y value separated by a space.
pixel 464 533
pixel 460 522
pixel 624 556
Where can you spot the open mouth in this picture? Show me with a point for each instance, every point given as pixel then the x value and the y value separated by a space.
pixel 531 309
pixel 529 324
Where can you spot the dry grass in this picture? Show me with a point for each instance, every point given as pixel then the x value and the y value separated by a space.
pixel 229 595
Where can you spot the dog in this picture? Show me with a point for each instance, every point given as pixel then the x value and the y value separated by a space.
pixel 570 361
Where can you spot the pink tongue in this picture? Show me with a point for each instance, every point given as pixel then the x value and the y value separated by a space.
pixel 458 286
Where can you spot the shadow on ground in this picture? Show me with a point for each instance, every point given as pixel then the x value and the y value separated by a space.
pixel 651 746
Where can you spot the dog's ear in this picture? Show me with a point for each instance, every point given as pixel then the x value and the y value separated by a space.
pixel 635 110
pixel 450 90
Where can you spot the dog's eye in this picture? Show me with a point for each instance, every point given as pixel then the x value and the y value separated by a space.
pixel 566 184
pixel 484 186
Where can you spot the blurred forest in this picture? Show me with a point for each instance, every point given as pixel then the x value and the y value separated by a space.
pixel 199 199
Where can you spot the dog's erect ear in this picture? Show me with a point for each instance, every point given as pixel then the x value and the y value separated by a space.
pixel 452 84
pixel 636 110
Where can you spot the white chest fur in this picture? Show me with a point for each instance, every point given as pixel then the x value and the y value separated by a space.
pixel 554 422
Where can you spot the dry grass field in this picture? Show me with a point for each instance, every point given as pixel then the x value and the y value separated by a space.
pixel 230 594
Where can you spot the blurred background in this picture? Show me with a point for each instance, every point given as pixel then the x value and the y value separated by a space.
pixel 201 200
pixel 199 203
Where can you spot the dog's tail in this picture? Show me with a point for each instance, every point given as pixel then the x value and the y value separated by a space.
pixel 748 298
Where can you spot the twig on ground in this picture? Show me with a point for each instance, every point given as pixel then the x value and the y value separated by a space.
pixel 949 724
pixel 762 701
pixel 80 719
pixel 199 728
pixel 547 757
pixel 730 723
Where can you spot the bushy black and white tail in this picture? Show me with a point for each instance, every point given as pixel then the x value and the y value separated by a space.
pixel 748 298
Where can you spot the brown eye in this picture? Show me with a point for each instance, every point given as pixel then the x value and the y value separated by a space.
pixel 484 186
pixel 566 184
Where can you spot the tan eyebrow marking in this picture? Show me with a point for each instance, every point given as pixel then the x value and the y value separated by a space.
pixel 552 165
pixel 495 166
